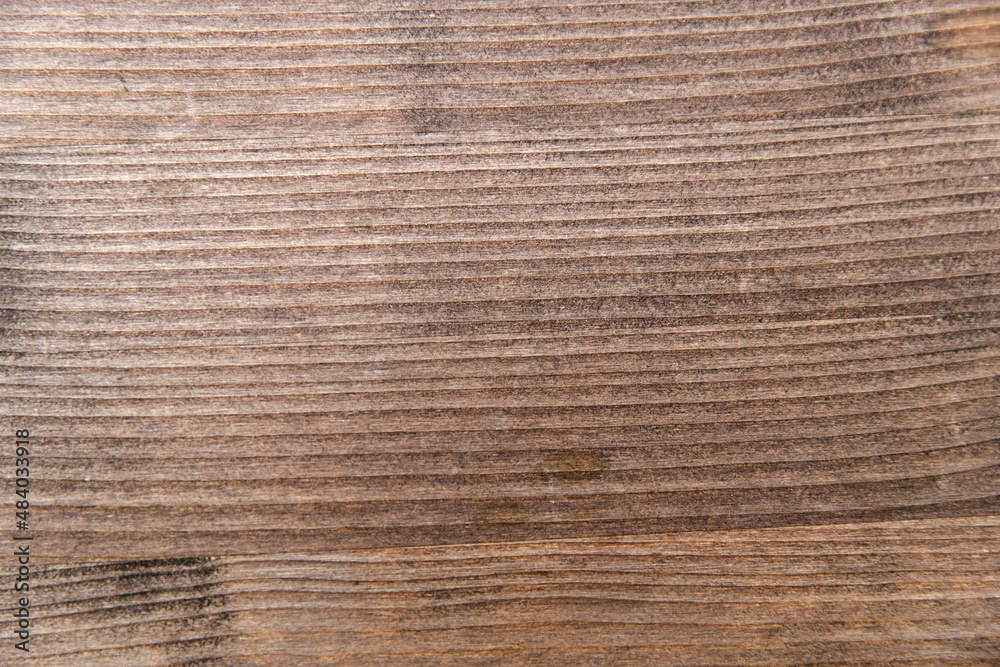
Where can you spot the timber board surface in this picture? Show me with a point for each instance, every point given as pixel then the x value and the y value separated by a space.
pixel 522 333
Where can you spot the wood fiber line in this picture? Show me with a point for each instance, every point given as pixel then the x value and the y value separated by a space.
pixel 582 333
pixel 920 591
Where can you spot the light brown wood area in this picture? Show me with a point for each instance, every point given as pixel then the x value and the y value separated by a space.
pixel 522 333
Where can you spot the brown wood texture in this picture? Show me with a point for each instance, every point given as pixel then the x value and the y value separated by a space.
pixel 523 333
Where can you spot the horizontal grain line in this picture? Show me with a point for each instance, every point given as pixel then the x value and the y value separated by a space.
pixel 563 407
pixel 487 477
pixel 593 429
pixel 95 293
pixel 563 521
pixel 163 311
pixel 708 579
pixel 514 10
pixel 787 69
pixel 800 48
pixel 510 279
pixel 611 234
pixel 521 169
pixel 580 624
pixel 690 329
pixel 655 560
pixel 805 323
pixel 531 586
pixel 554 355
pixel 567 202
pixel 537 498
pixel 522 389
pixel 499 600
pixel 603 185
pixel 810 123
pixel 562 57
pixel 458 9
pixel 654 557
pixel 489 27
pixel 29 276
pixel 562 105
pixel 522 565
pixel 539 453
pixel 608 549
pixel 428 157
pixel 137 144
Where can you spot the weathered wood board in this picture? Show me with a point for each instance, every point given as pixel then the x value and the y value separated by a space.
pixel 522 333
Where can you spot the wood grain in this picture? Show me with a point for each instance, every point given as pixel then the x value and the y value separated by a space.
pixel 920 592
pixel 454 333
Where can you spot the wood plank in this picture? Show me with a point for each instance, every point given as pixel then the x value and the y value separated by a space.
pixel 450 333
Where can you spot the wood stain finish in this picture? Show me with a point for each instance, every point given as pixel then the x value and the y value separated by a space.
pixel 534 334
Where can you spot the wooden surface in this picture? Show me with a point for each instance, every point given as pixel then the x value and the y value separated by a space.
pixel 440 333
